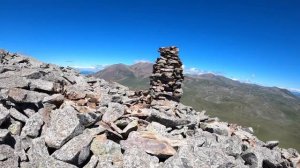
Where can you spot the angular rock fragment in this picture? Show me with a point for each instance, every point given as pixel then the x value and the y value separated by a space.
pixel 7 157
pixel 107 151
pixel 13 82
pixel 38 84
pixel 17 115
pixel 33 126
pixel 77 150
pixel 15 128
pixel 113 112
pixel 135 157
pixel 167 120
pixel 39 156
pixel 55 99
pixel 64 125
pixel 149 143
pixel 271 144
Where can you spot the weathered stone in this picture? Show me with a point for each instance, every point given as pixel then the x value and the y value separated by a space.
pixel 77 150
pixel 271 144
pixel 3 134
pixel 4 114
pixel 55 99
pixel 25 96
pixel 7 157
pixel 88 119
pixel 167 120
pixel 74 92
pixel 107 151
pixel 64 125
pixel 113 112
pixel 135 157
pixel 13 82
pixel 17 115
pixel 39 156
pixel 217 127
pixel 38 84
pixel 15 128
pixel 92 163
pixel 149 143
pixel 33 126
pixel 193 157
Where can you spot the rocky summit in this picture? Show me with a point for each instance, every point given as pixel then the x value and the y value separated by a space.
pixel 52 116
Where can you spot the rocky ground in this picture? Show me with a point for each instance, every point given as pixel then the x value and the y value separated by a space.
pixel 51 116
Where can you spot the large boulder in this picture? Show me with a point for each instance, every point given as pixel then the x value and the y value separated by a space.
pixel 77 150
pixel 64 125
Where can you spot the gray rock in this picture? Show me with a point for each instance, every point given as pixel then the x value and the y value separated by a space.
pixel 13 82
pixel 194 157
pixel 257 157
pixel 113 112
pixel 55 99
pixel 77 150
pixel 271 144
pixel 64 125
pixel 29 112
pixel 219 128
pixel 150 143
pixel 38 84
pixel 39 156
pixel 25 96
pixel 4 114
pixel 33 126
pixel 7 157
pixel 92 163
pixel 167 120
pixel 108 152
pixel 135 157
pixel 3 134
pixel 88 119
pixel 17 115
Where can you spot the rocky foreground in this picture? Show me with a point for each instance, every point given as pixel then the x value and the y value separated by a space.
pixel 52 116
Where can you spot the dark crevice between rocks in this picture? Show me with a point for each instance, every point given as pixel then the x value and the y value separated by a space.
pixel 114 137
pixel 43 91
pixel 10 141
pixel 5 124
pixel 36 75
pixel 51 150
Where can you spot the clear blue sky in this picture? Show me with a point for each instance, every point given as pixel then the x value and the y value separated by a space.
pixel 256 40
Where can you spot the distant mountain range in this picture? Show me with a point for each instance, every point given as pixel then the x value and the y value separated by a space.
pixel 271 111
pixel 296 93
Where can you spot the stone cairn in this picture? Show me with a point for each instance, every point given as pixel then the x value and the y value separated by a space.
pixel 167 77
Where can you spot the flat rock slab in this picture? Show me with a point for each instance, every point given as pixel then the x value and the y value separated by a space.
pixel 149 143
pixel 64 125
pixel 167 120
pixel 25 96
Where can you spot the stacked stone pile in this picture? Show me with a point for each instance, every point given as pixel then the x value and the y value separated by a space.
pixel 52 117
pixel 167 77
